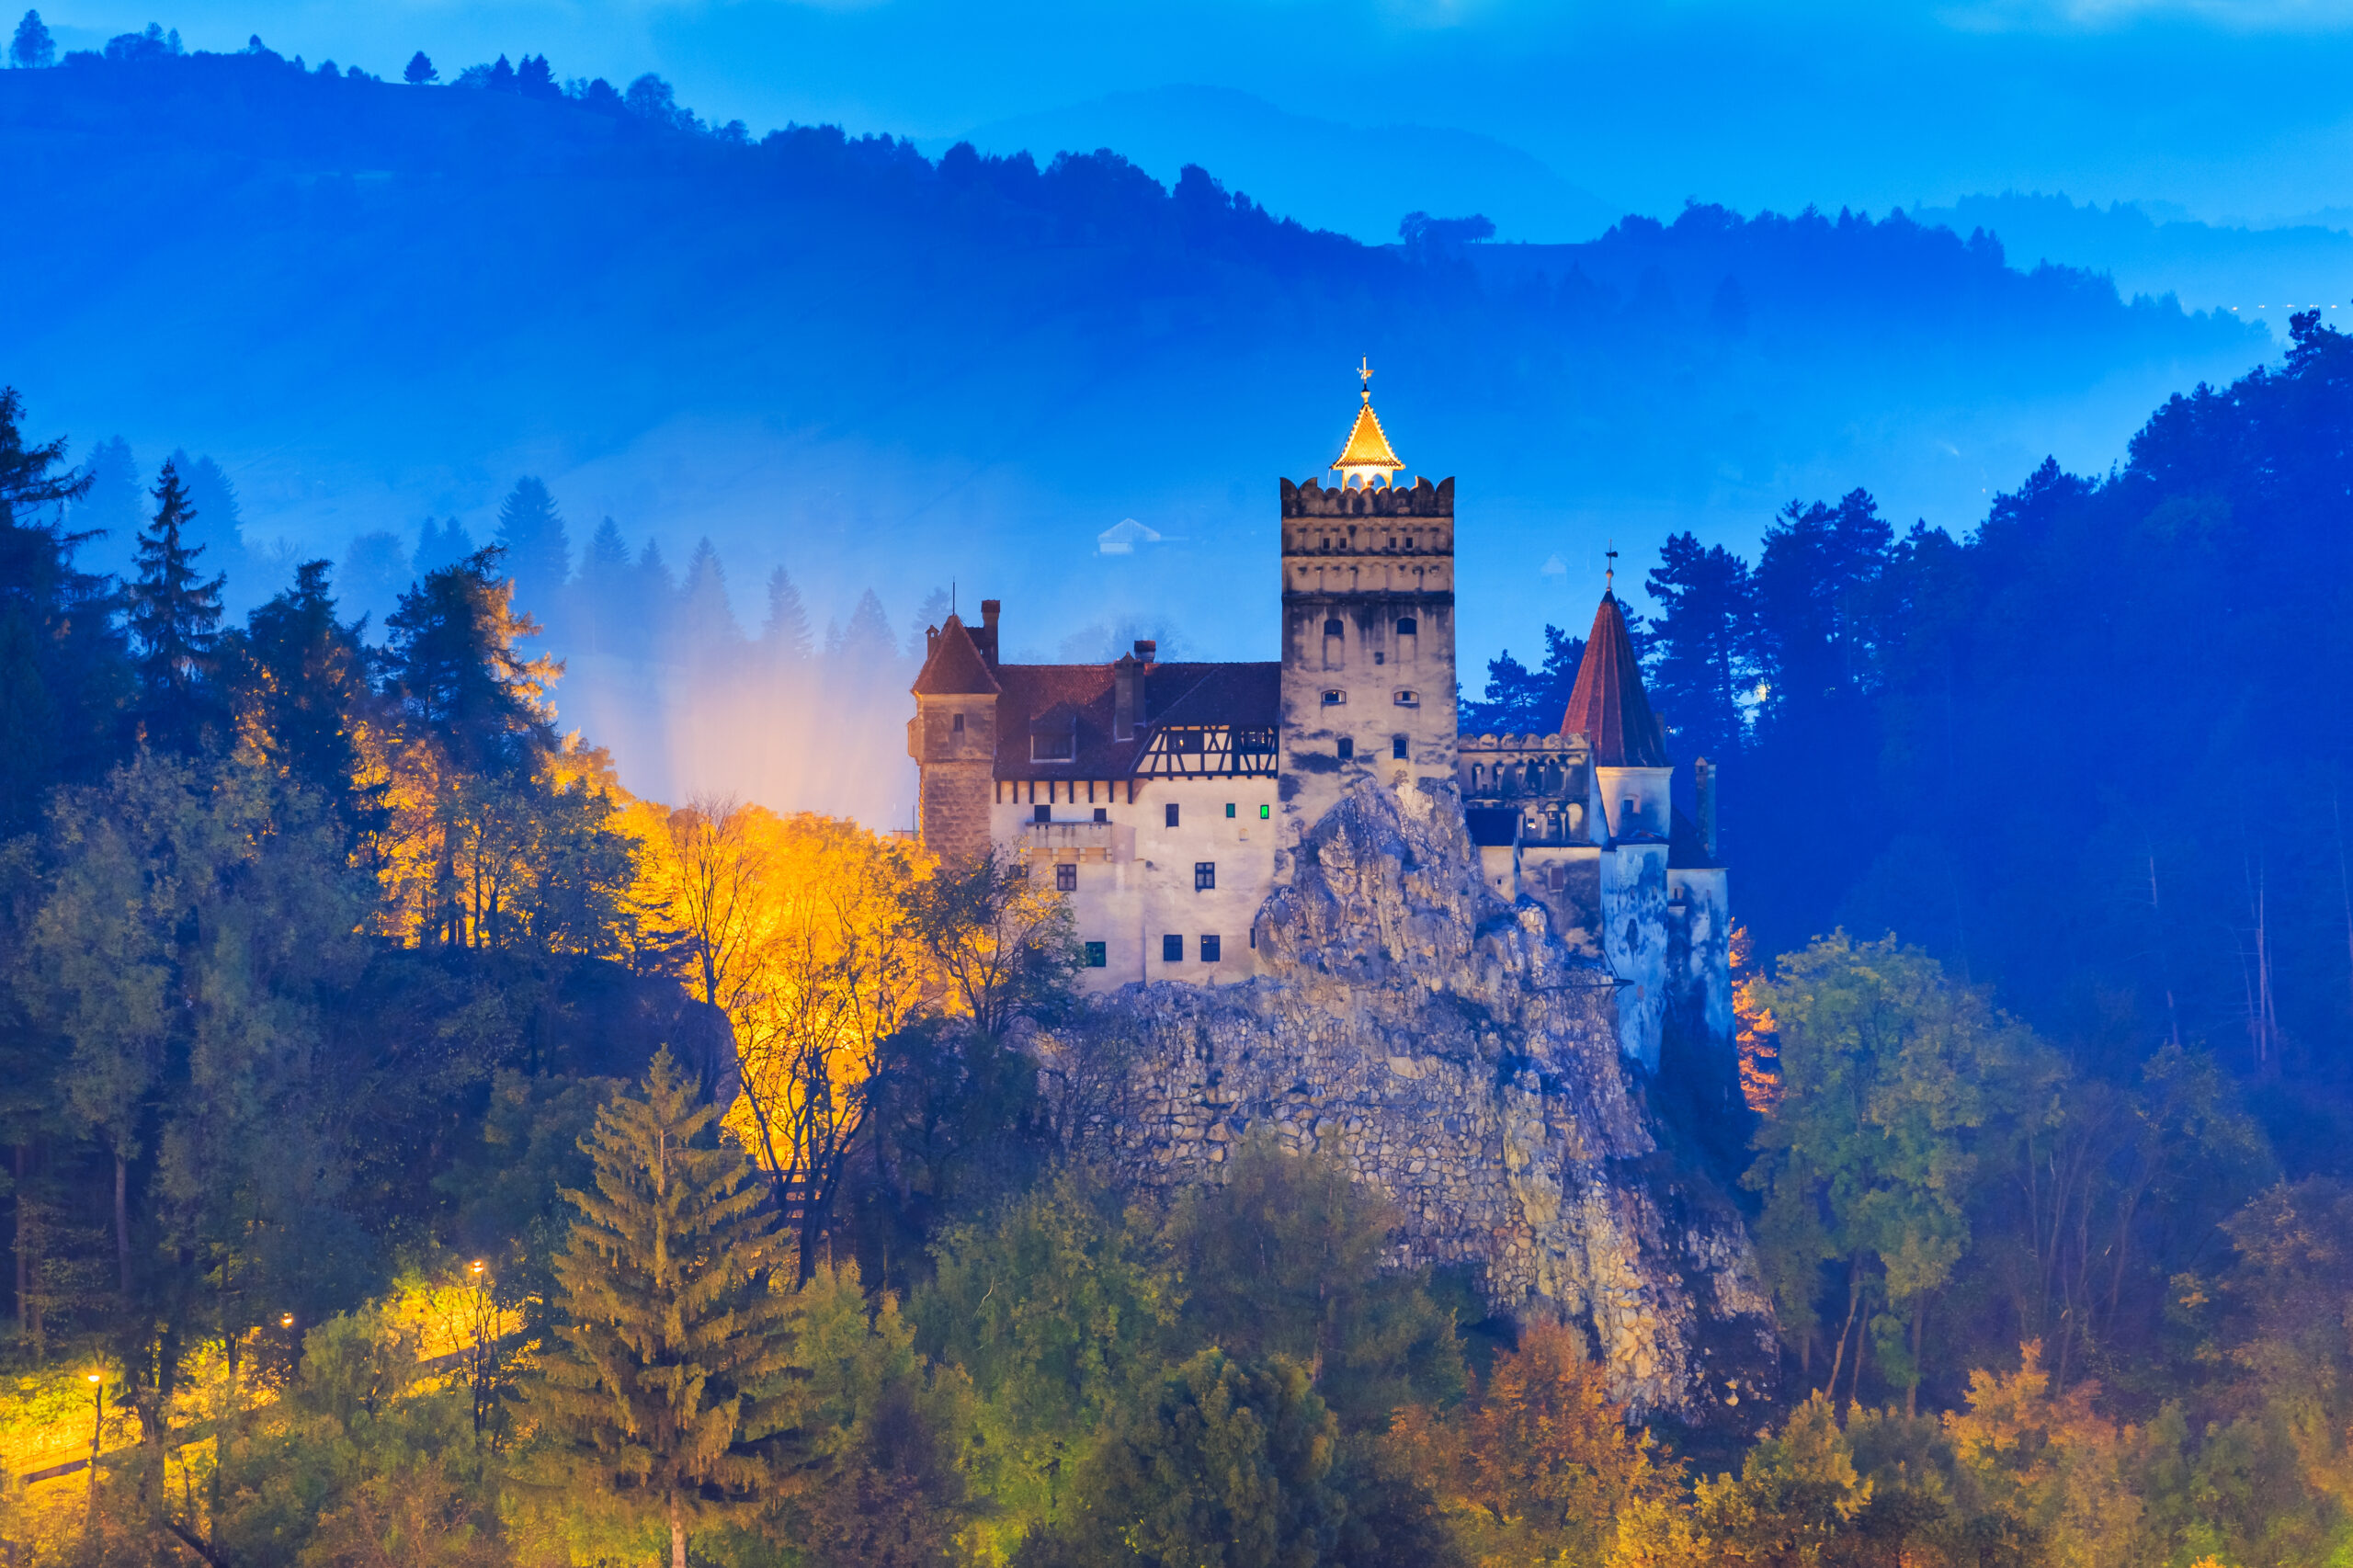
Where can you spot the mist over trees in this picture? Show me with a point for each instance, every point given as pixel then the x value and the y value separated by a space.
pixel 864 352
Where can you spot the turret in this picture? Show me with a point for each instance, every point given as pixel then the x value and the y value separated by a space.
pixel 952 738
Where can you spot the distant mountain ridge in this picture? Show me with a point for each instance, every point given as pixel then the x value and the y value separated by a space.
pixel 373 303
pixel 1353 180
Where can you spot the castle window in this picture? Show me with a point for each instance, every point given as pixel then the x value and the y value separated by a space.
pixel 1407 626
pixel 1102 813
pixel 1335 642
pixel 1266 812
pixel 1098 955
pixel 1407 699
pixel 958 725
pixel 1229 808
pixel 1398 747
pixel 1212 949
pixel 1065 877
pixel 1204 876
pixel 1172 949
pixel 1172 813
pixel 1331 626
pixel 1041 814
pixel 1348 747
pixel 1335 698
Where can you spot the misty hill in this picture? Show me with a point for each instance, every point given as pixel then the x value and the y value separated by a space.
pixel 370 304
pixel 2263 273
pixel 1353 180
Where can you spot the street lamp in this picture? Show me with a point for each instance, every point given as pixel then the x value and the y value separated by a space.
pixel 98 1424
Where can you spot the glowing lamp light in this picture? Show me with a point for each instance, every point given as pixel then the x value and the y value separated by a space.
pixel 287 1321
pixel 98 1377
pixel 475 1267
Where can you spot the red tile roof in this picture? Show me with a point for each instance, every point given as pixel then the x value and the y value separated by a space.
pixel 953 665
pixel 1237 694
pixel 1608 705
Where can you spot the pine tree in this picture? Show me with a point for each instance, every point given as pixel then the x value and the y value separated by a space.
pixel 674 1353
pixel 1702 649
pixel 656 604
pixel 299 675
pixel 934 611
pixel 457 673
pixel 175 618
pixel 785 635
pixel 62 668
pixel 705 614
pixel 530 531
pixel 602 596
pixel 420 70
pixel 867 649
pixel 32 48
pixel 212 502
pixel 440 545
pixel 109 513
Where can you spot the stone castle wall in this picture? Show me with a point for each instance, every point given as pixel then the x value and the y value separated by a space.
pixel 1465 1062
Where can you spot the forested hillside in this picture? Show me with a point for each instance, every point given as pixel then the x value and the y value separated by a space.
pixel 370 303
pixel 2092 752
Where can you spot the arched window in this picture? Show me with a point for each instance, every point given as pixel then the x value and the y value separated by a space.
pixel 1407 626
pixel 1331 626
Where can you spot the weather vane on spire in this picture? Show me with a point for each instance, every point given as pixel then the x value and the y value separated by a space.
pixel 1364 374
pixel 1609 573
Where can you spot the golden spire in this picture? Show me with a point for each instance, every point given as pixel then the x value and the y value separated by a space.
pixel 1366 459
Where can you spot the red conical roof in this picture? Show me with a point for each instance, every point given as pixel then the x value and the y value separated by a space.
pixel 1608 706
pixel 953 666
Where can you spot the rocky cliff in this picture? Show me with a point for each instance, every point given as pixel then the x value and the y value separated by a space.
pixel 1465 1062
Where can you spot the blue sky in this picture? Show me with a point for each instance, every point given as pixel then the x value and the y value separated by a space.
pixel 2229 111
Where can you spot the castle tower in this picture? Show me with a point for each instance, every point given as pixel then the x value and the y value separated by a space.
pixel 952 737
pixel 1368 596
pixel 1629 815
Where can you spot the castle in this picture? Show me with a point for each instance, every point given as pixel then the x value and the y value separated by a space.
pixel 1168 801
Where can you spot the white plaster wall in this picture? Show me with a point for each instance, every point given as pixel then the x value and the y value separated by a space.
pixel 1141 890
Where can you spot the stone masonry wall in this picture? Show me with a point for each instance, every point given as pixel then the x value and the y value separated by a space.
pixel 1464 1061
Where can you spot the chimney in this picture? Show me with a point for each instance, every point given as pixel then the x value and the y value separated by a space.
pixel 1147 649
pixel 988 638
pixel 1703 778
pixel 1127 692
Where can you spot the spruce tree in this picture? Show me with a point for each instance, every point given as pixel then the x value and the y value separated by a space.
pixel 602 614
pixel 672 1356
pixel 300 678
pixel 785 636
pixel 530 531
pixel 457 673
pixel 62 673
pixel 1700 655
pixel 174 617
pixel 705 614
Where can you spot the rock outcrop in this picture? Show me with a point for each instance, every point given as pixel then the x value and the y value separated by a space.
pixel 1463 1060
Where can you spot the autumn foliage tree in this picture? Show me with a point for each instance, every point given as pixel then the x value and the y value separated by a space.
pixel 1537 1466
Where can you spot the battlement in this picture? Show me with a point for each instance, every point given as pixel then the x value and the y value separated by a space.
pixel 1523 743
pixel 1419 499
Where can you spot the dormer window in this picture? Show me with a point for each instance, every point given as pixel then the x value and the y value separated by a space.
pixel 1053 734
